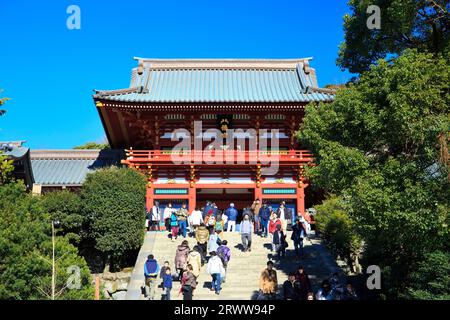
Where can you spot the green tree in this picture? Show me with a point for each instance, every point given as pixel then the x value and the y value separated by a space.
pixel 6 169
pixel 26 251
pixel 6 166
pixel 93 145
pixel 379 147
pixel 65 206
pixel 113 202
pixel 430 279
pixel 420 24
pixel 2 102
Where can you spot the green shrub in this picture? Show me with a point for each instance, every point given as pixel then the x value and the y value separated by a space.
pixel 338 229
pixel 113 202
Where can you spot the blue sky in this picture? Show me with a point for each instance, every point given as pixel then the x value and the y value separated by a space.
pixel 49 71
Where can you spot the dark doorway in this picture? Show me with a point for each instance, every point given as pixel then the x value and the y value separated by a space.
pixel 222 197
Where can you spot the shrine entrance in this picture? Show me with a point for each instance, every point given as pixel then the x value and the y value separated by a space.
pixel 222 197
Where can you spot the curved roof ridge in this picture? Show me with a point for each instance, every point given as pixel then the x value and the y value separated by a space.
pixel 221 63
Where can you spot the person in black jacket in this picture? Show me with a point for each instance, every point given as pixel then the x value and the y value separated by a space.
pixel 291 288
pixel 298 233
pixel 264 216
pixel 279 240
pixel 305 285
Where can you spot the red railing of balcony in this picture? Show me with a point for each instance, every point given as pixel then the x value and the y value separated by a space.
pixel 219 156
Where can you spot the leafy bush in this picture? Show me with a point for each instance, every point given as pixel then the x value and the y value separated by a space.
pixel 338 229
pixel 431 278
pixel 113 202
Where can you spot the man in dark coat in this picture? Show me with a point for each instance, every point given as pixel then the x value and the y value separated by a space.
pixel 264 216
pixel 291 288
pixel 279 240
pixel 298 233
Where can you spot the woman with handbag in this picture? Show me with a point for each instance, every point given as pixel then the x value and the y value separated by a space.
pixel 188 283
pixel 181 257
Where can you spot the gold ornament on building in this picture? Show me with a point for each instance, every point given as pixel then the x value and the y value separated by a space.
pixel 224 123
pixel 192 177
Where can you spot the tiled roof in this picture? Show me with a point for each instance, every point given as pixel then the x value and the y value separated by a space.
pixel 20 155
pixel 69 167
pixel 13 149
pixel 15 153
pixel 190 81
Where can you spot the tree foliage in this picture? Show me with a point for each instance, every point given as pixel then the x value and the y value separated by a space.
pixel 420 24
pixel 6 165
pixel 93 145
pixel 2 102
pixel 65 206
pixel 430 279
pixel 113 201
pixel 378 146
pixel 6 169
pixel 26 251
pixel 338 229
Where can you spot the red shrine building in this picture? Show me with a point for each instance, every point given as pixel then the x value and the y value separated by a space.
pixel 258 102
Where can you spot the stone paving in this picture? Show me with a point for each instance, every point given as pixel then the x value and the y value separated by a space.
pixel 244 268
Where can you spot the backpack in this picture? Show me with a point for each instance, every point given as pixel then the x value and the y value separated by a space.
pixel 219 226
pixel 223 253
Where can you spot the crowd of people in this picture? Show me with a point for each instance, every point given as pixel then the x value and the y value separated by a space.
pixel 207 225
pixel 298 287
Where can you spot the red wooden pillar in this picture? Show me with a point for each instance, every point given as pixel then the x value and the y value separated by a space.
pixel 301 201
pixel 192 191
pixel 258 192
pixel 258 189
pixel 149 196
pixel 192 198
pixel 149 193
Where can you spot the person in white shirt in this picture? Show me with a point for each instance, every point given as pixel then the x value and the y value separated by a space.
pixel 216 270
pixel 285 215
pixel 196 219
pixel 166 216
pixel 156 216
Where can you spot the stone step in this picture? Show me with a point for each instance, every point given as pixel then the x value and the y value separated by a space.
pixel 243 269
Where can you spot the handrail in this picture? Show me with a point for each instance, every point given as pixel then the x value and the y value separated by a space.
pixel 169 152
pixel 166 155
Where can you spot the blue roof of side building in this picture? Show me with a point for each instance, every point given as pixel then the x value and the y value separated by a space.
pixel 70 167
pixel 220 80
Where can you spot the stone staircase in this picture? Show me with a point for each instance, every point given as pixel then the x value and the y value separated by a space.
pixel 244 268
